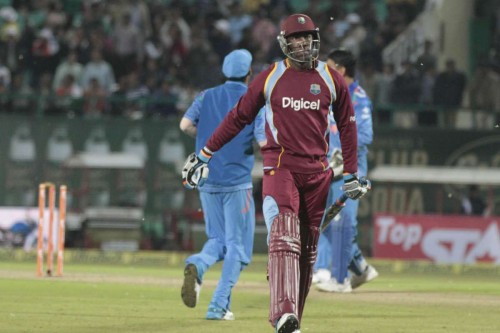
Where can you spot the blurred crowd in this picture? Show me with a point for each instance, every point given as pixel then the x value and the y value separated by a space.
pixel 150 58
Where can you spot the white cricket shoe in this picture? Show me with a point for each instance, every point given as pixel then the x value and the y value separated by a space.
pixel 369 274
pixel 333 286
pixel 215 313
pixel 228 315
pixel 191 288
pixel 288 323
pixel 321 275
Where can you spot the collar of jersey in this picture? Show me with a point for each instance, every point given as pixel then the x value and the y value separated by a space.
pixel 235 83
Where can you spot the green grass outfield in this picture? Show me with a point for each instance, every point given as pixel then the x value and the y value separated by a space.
pixel 140 292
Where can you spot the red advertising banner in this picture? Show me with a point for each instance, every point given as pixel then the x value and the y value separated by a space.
pixel 441 239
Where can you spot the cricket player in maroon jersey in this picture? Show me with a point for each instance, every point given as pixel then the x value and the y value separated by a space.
pixel 297 93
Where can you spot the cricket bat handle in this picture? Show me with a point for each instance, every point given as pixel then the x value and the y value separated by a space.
pixel 339 204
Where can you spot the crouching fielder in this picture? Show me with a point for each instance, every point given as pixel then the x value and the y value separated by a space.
pixel 297 94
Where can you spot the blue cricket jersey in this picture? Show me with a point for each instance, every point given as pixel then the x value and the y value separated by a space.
pixel 363 110
pixel 230 168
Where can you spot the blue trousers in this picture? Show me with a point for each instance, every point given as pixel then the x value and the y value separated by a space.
pixel 338 249
pixel 229 226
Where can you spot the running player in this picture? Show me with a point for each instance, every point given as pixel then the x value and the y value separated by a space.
pixel 226 197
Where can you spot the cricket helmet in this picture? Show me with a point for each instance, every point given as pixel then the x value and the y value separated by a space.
pixel 297 24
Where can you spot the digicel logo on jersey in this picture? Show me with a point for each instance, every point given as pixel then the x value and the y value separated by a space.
pixel 298 105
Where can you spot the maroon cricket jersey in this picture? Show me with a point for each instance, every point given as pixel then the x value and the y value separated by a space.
pixel 296 104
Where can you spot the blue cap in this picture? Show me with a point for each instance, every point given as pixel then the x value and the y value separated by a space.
pixel 237 63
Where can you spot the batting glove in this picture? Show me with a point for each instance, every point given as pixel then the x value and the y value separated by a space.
pixel 195 170
pixel 353 187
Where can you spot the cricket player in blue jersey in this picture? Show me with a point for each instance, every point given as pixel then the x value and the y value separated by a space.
pixel 341 266
pixel 226 195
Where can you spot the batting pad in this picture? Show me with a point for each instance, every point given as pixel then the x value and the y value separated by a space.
pixel 309 240
pixel 283 265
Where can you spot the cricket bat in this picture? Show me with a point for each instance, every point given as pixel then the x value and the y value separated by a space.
pixel 339 204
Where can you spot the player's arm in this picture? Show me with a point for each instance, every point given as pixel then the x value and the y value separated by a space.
pixel 364 122
pixel 195 170
pixel 188 127
pixel 190 119
pixel 259 130
pixel 343 113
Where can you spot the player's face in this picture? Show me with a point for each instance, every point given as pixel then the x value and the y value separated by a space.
pixel 300 46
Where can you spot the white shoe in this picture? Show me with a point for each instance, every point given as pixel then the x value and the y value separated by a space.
pixel 333 286
pixel 219 314
pixel 228 316
pixel 288 323
pixel 321 275
pixel 191 288
pixel 369 274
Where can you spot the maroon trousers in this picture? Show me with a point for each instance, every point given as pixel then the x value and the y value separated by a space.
pixel 294 234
